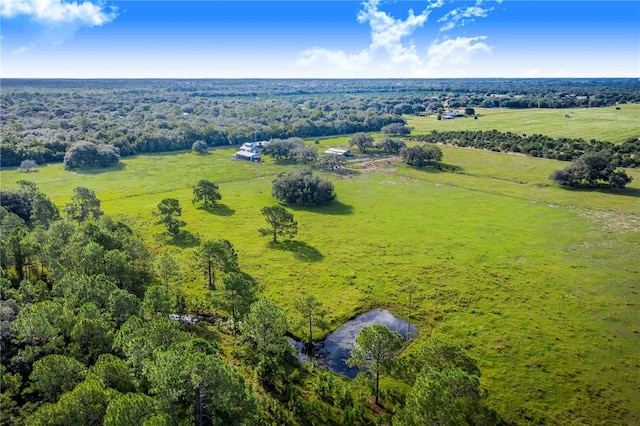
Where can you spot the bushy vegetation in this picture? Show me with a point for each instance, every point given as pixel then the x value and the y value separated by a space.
pixel 395 129
pixel 303 188
pixel 87 154
pixel 589 170
pixel 199 147
pixel 421 155
pixel 363 141
pixel 283 149
pixel 626 154
pixel 390 146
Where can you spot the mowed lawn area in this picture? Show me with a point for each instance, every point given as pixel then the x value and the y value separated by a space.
pixel 605 124
pixel 538 283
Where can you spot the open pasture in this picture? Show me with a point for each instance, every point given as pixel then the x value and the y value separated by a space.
pixel 605 124
pixel 538 283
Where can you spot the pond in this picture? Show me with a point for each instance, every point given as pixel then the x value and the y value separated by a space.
pixel 335 349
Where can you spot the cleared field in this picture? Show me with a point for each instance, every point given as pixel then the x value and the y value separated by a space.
pixel 538 283
pixel 606 124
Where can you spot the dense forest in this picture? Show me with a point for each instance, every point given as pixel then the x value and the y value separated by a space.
pixel 42 119
pixel 92 334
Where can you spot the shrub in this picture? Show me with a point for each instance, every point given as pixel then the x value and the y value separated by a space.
pixel 88 154
pixel 303 188
pixel 27 165
pixel 590 169
pixel 391 146
pixel 199 147
pixel 362 141
pixel 395 129
pixel 283 148
pixel 420 155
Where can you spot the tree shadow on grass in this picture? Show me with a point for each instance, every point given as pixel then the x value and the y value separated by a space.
pixel 99 170
pixel 627 192
pixel 346 172
pixel 301 250
pixel 218 209
pixel 184 239
pixel 440 168
pixel 333 208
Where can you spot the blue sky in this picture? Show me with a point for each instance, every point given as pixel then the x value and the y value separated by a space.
pixel 323 39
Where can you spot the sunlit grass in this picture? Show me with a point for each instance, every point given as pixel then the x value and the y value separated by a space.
pixel 539 283
pixel 606 124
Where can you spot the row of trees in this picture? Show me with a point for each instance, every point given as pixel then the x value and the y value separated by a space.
pixel 626 154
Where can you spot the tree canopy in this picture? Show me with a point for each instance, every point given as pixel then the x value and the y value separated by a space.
pixel 283 149
pixel 311 316
pixel 362 140
pixel 420 155
pixel 207 192
pixel 263 333
pixel 395 129
pixel 88 154
pixel 199 147
pixel 83 205
pixel 216 255
pixel 376 350
pixel 391 146
pixel 280 221
pixel 446 388
pixel 168 210
pixel 589 170
pixel 303 188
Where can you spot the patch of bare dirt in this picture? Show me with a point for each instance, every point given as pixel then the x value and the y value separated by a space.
pixel 378 165
pixel 612 220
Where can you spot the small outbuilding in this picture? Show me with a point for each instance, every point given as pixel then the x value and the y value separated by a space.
pixel 337 151
pixel 247 156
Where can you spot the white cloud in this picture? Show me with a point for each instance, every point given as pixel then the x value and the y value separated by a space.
pixel 457 51
pixel 57 11
pixel 389 54
pixel 333 63
pixel 58 20
pixel 387 34
pixel 461 17
pixel 21 50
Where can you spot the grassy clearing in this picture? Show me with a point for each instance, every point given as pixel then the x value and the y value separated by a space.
pixel 539 283
pixel 607 124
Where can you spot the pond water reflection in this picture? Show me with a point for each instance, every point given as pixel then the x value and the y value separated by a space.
pixel 335 349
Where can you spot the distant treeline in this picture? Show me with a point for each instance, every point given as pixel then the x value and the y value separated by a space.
pixel 626 154
pixel 608 90
pixel 41 119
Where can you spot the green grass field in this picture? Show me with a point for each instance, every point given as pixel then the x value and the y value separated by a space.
pixel 606 124
pixel 538 283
